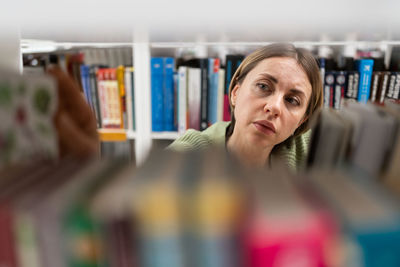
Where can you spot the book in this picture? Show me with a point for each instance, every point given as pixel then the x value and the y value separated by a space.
pixel 340 85
pixel 329 86
pixel 213 70
pixel 109 98
pixel 396 89
pixel 85 80
pixel 182 99
pixel 375 82
pixel 367 214
pixel 129 98
pixel 194 95
pixel 157 96
pixel 122 94
pixel 371 145
pixel 169 94
pixel 94 92
pixel 220 103
pixel 204 85
pixel 365 67
pixel 383 86
pixel 232 63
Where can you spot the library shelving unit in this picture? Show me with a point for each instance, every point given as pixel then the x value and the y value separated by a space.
pixel 142 52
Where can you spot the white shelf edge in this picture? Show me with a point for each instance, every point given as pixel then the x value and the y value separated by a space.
pixel 165 135
pixel 130 135
pixel 45 46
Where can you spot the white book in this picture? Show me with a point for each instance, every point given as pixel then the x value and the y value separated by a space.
pixel 128 97
pixel 194 97
pixel 221 88
pixel 182 99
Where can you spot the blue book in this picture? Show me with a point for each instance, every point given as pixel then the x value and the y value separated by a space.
pixel 169 94
pixel 85 79
pixel 157 98
pixel 213 70
pixel 365 67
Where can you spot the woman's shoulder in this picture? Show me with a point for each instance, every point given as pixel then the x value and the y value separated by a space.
pixel 194 140
pixel 295 152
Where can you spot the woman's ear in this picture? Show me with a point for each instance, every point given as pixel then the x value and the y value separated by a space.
pixel 234 94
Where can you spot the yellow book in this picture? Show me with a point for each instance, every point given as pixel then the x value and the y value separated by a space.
pixel 122 93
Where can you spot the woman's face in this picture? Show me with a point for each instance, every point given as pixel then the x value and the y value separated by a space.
pixel 271 101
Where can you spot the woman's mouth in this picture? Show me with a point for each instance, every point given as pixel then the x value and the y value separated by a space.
pixel 265 127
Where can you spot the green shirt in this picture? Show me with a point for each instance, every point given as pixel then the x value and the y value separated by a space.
pixel 294 154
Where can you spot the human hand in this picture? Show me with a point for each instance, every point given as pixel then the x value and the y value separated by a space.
pixel 74 120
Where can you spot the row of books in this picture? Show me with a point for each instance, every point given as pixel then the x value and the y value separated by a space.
pixel 196 209
pixel 107 87
pixel 194 93
pixel 364 138
pixel 110 93
pixel 363 80
pixel 201 89
pixel 190 93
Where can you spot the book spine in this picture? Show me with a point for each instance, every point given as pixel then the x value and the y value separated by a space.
pixel 396 90
pixel 122 94
pixel 169 94
pixel 95 95
pixel 132 69
pixel 340 84
pixel 84 72
pixel 8 256
pixel 204 94
pixel 182 99
pixel 329 88
pixel 213 68
pixel 349 86
pixel 194 92
pixel 356 84
pixel 383 87
pixel 103 100
pixel 114 99
pixel 228 76
pixel 365 67
pixel 176 96
pixel 392 81
pixel 129 98
pixel 220 107
pixel 376 77
pixel 321 62
pixel 157 98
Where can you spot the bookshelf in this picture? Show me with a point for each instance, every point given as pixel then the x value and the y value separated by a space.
pixel 143 49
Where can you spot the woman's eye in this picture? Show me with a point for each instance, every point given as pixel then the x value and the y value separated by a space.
pixel 293 101
pixel 263 86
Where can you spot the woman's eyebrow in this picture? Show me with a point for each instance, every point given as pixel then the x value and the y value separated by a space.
pixel 298 92
pixel 269 76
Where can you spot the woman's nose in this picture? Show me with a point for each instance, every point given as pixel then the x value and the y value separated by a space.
pixel 273 106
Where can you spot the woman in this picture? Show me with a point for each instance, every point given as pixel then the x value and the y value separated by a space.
pixel 272 95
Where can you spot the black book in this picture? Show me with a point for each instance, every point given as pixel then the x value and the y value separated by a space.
pixel 204 94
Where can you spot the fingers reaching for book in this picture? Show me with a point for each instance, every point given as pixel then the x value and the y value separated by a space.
pixel 74 120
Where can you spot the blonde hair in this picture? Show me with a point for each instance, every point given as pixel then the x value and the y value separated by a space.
pixel 303 57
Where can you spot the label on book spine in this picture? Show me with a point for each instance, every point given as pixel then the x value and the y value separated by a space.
pixel 328 88
pixel 340 84
pixel 365 68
